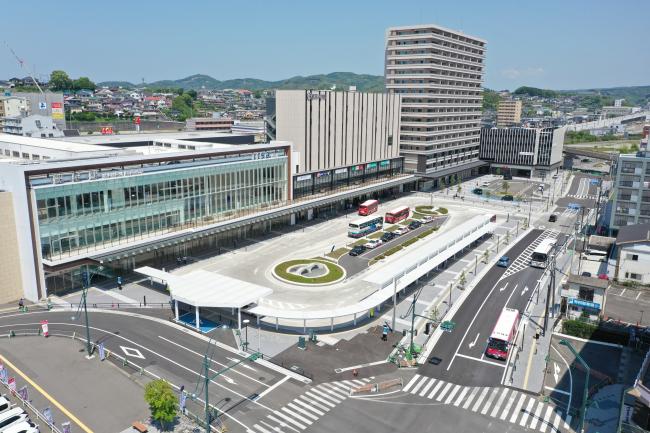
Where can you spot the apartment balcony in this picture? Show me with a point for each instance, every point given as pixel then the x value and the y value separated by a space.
pixel 416 98
pixel 435 46
pixel 438 104
pixel 426 56
pixel 420 36
pixel 433 65
pixel 442 122
pixel 476 115
pixel 432 75
pixel 441 132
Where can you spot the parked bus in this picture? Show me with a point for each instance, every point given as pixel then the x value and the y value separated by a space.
pixel 541 254
pixel 397 215
pixel 503 334
pixel 368 207
pixel 363 226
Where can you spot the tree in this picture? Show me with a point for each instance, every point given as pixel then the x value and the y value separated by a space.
pixel 162 401
pixel 59 80
pixel 505 186
pixel 83 83
pixel 486 255
pixel 462 279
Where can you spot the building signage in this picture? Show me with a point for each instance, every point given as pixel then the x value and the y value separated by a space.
pixel 322 173
pixel 42 105
pixel 372 165
pixel 384 163
pixel 113 174
pixel 357 167
pixel 341 170
pixel 305 177
pixel 584 304
pixel 311 95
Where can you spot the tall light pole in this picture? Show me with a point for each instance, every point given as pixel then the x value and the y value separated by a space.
pixel 246 322
pixel 583 406
pixel 87 278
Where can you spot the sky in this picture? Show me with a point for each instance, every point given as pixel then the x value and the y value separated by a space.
pixel 555 44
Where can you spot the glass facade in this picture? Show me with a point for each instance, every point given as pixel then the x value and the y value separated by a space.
pixel 91 214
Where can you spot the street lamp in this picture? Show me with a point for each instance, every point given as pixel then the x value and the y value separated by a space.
pixel 87 278
pixel 583 407
pixel 246 322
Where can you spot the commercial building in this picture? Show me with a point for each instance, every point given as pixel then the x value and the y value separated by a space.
pixel 582 295
pixel 34 125
pixel 438 73
pixel 49 104
pixel 631 203
pixel 509 113
pixel 522 151
pixel 13 106
pixel 92 212
pixel 222 124
pixel 633 254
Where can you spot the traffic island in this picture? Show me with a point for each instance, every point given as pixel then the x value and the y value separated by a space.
pixel 309 272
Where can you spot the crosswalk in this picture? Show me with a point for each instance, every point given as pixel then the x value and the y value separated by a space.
pixel 506 404
pixel 569 212
pixel 522 262
pixel 583 190
pixel 583 196
pixel 307 408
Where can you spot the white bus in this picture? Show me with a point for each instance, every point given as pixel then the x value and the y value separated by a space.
pixel 364 226
pixel 542 254
pixel 503 334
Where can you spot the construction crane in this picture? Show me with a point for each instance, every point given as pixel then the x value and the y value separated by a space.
pixel 21 62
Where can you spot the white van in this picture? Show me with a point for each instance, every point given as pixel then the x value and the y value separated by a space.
pixel 22 427
pixel 594 255
pixel 485 183
pixel 12 417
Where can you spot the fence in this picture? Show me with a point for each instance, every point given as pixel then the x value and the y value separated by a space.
pixel 115 305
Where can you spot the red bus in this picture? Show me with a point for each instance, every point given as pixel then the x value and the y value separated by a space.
pixel 503 334
pixel 397 215
pixel 368 207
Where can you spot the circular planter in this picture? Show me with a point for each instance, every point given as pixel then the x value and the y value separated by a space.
pixel 334 273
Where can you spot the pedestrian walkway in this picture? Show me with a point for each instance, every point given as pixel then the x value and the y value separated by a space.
pixel 505 404
pixel 306 409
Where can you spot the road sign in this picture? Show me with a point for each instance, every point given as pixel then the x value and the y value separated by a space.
pixel 44 326
pixel 42 105
pixel 136 120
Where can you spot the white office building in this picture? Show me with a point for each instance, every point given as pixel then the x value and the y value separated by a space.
pixel 439 73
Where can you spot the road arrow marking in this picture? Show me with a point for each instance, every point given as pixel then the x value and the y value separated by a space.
pixel 556 372
pixel 227 379
pixel 473 343
pixel 241 365
pixel 503 288
pixel 524 291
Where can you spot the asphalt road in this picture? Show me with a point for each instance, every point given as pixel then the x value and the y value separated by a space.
pixel 462 349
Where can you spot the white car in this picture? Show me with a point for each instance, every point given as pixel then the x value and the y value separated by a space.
pixel 22 427
pixel 12 417
pixel 426 219
pixel 4 404
pixel 373 243
pixel 400 231
pixel 485 184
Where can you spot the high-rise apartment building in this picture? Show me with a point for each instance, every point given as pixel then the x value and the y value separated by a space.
pixel 438 72
pixel 509 113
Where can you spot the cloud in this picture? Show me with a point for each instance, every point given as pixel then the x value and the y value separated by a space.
pixel 530 72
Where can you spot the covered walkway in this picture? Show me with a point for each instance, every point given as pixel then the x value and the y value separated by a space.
pixel 204 289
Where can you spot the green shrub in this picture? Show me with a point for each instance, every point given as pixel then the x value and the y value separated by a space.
pixel 392 251
pixel 337 253
pixel 425 209
pixel 409 242
pixel 442 210
pixel 578 328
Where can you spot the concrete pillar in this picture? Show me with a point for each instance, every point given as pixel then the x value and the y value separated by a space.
pixel 198 326
pixel 310 214
pixel 304 326
pixel 292 220
pixel 277 326
pixel 176 308
pixel 239 319
pixel 331 323
pixel 355 319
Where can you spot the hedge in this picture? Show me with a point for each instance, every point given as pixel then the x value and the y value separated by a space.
pixel 442 210
pixel 335 272
pixel 425 209
pixel 578 328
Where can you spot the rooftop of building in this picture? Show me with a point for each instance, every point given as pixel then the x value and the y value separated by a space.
pixel 62 145
pixel 130 137
pixel 435 26
pixel 588 281
pixel 633 233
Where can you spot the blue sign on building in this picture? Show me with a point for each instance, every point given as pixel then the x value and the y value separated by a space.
pixel 584 304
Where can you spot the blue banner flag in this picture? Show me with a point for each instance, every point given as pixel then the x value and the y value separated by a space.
pixel 102 353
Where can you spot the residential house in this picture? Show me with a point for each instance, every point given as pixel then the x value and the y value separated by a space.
pixel 584 296
pixel 633 253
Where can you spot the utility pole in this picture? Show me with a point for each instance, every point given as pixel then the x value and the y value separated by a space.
pixel 549 290
pixel 582 218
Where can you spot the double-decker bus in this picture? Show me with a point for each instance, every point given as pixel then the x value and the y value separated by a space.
pixel 542 254
pixel 397 215
pixel 503 334
pixel 368 207
pixel 363 226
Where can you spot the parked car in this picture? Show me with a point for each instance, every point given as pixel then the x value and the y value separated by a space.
pixel 435 360
pixel 12 417
pixel 477 191
pixel 426 219
pixel 415 224
pixel 401 231
pixel 357 251
pixel 22 427
pixel 504 262
pixel 552 218
pixel 603 277
pixel 4 404
pixel 586 274
pixel 373 243
pixel 555 176
pixel 388 236
pixel 507 197
pixel 485 183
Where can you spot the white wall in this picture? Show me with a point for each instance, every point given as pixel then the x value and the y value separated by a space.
pixel 641 266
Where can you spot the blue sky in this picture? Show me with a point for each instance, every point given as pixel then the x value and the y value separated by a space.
pixel 558 44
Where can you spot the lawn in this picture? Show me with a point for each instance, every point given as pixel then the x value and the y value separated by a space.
pixel 425 210
pixel 376 235
pixel 406 222
pixel 357 243
pixel 337 253
pixel 335 272
pixel 392 228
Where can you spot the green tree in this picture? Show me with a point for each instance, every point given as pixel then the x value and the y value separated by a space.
pixel 462 279
pixel 83 83
pixel 59 80
pixel 505 186
pixel 179 91
pixel 192 93
pixel 162 401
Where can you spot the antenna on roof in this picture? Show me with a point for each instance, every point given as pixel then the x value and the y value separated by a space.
pixel 21 62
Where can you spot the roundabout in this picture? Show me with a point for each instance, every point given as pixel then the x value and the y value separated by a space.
pixel 309 272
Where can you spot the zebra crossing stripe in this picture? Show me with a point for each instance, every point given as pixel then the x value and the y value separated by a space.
pixel 480 399
pixel 493 395
pixel 263 430
pixel 334 390
pixel 298 416
pixel 291 420
pixel 497 406
pixel 529 408
pixel 282 423
pixel 547 419
pixel 452 394
pixel 350 384
pixel 277 429
pixel 556 422
pixel 435 389
pixel 461 396
pixel 326 394
pixel 419 385
pixel 341 386
pixel 511 400
pixel 470 398
pixel 444 391
pixel 536 415
pixel 322 400
pixel 314 403
pixel 310 407
pixel 411 382
pixel 520 403
pixel 426 388
pixel 303 411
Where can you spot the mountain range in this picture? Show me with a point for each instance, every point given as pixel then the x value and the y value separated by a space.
pixel 342 80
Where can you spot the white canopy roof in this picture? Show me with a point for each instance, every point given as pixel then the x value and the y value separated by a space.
pixel 208 289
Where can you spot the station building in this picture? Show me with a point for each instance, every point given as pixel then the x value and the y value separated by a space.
pixel 76 213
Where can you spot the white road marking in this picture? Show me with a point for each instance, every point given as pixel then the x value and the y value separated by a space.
pixel 490 399
pixel 303 411
pixel 504 287
pixel 322 400
pixel 419 385
pixel 411 382
pixel 452 394
pixel 426 388
pixel 546 421
pixel 131 352
pixel 536 415
pixel 506 410
pixel 444 391
pixel 496 364
pixel 473 343
pixel 263 430
pixel 499 402
pixel 282 423
pixel 470 398
pixel 272 387
pixel 461 396
pixel 557 390
pixel 288 418
pixel 568 406
pixel 517 411
pixel 314 403
pixel 306 406
pixel 556 422
pixel 435 389
pixel 528 410
pixel 478 402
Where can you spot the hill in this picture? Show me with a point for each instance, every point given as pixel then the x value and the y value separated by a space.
pixel 342 80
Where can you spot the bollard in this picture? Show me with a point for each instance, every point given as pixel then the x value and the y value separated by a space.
pixel 125 362
pixel 12 334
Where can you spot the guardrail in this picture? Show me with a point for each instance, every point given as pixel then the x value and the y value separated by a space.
pixel 115 305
